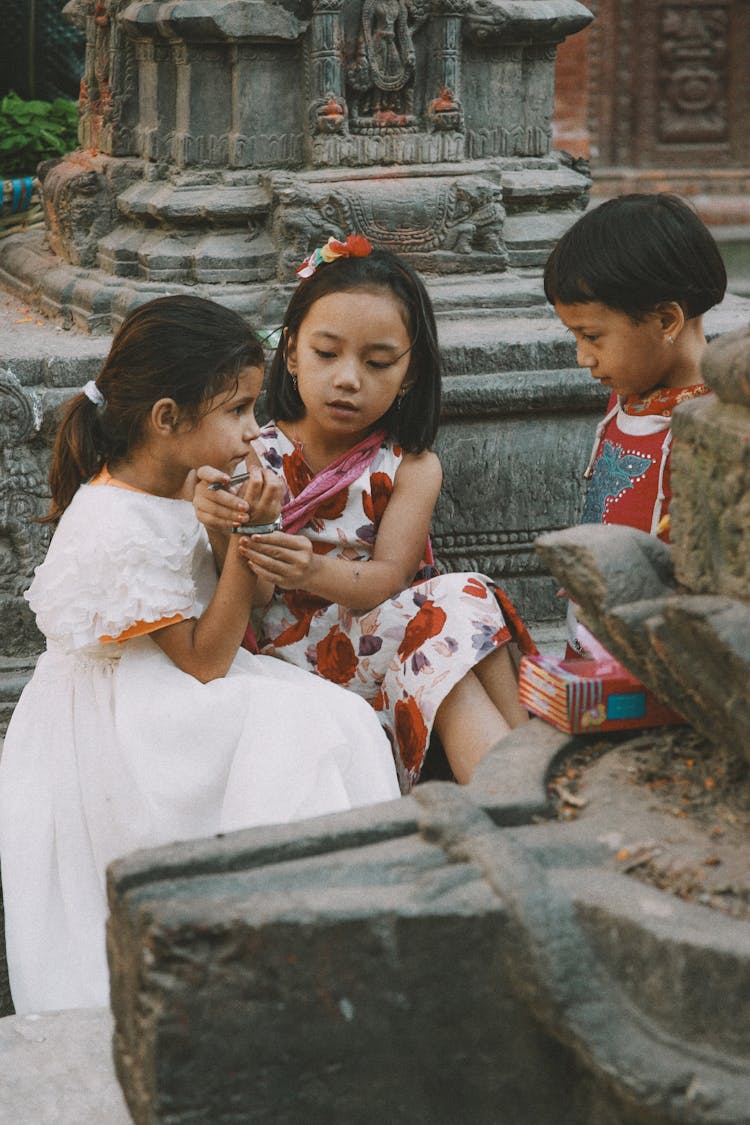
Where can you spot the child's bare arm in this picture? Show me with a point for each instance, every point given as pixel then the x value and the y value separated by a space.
pixel 290 563
pixel 221 510
pixel 205 647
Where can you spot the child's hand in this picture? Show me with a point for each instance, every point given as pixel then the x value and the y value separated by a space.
pixel 257 500
pixel 288 561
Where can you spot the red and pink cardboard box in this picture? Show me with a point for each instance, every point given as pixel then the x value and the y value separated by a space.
pixel 588 696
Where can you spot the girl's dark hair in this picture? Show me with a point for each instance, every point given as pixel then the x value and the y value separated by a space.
pixel 413 421
pixel 185 348
pixel 635 252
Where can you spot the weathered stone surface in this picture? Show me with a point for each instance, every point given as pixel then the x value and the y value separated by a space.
pixel 704 642
pixel 726 367
pixel 601 567
pixel 711 496
pixel 442 965
pixel 632 633
pixel 693 652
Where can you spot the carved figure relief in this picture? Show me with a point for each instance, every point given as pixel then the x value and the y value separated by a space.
pixel 109 84
pixel 381 77
pixel 464 216
pixel 694 70
pixel 22 541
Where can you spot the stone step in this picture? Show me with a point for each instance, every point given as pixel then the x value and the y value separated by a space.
pixel 484 344
pixel 58 1070
pixel 209 258
pixel 213 204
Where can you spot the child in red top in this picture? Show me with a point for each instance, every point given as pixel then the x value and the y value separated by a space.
pixel 632 279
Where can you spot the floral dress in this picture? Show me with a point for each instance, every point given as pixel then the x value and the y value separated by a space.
pixel 405 655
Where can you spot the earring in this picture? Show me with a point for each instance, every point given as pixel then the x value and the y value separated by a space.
pixel 670 339
pixel 293 377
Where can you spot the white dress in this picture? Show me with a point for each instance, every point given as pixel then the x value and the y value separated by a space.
pixel 113 748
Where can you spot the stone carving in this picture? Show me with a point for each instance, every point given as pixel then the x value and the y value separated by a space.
pixel 461 216
pixel 79 205
pixel 342 84
pixel 444 111
pixel 382 74
pixel 694 73
pixel 599 1000
pixel 108 94
pixel 22 486
pixel 329 114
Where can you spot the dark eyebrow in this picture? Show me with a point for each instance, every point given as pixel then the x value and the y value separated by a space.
pixel 382 346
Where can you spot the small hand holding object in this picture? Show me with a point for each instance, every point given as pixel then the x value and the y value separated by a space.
pixel 288 561
pixel 240 503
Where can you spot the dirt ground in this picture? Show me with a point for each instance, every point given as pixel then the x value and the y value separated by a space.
pixel 676 808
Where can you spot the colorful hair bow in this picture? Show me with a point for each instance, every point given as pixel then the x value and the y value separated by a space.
pixel 356 246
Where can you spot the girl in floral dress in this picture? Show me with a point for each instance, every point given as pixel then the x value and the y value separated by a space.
pixel 354 391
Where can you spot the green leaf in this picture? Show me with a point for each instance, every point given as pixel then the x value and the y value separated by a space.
pixel 31 131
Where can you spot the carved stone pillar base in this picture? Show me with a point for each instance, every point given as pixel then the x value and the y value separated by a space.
pixel 121 230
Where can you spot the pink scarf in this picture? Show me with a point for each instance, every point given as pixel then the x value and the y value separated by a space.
pixel 334 478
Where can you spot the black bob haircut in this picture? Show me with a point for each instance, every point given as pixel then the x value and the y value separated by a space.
pixel 635 252
pixel 411 422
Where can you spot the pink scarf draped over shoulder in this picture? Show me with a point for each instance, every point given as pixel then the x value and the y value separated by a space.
pixel 334 478
pixel 325 484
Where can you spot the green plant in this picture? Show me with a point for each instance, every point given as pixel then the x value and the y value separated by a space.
pixel 33 131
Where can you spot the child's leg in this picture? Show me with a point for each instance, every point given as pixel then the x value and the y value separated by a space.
pixel 497 675
pixel 468 724
pixel 480 710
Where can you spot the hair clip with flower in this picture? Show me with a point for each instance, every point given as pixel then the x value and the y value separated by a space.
pixel 355 246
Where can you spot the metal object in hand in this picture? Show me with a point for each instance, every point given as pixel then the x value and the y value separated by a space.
pixel 219 484
pixel 258 528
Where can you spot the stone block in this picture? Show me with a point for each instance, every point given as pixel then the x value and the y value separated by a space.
pixel 429 969
pixel 726 366
pixel 336 987
pixel 605 566
pixel 711 497
pixel 631 633
pixel 705 643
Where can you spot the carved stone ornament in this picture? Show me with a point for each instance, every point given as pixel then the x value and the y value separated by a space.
pixel 460 216
pixel 381 77
pixel 694 73
pixel 23 542
pixel 79 204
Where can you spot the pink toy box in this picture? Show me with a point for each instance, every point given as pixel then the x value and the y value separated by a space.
pixel 588 696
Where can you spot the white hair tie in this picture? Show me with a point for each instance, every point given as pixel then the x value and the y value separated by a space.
pixel 93 394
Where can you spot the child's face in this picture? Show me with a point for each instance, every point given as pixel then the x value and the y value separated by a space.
pixel 223 433
pixel 628 357
pixel 351 356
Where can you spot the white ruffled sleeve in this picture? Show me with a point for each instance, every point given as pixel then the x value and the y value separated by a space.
pixel 118 558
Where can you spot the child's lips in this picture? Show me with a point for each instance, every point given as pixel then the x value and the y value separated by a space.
pixel 343 407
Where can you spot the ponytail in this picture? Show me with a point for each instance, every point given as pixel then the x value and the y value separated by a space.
pixel 77 454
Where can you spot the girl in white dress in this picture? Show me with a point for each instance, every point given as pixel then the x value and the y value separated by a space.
pixel 145 722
